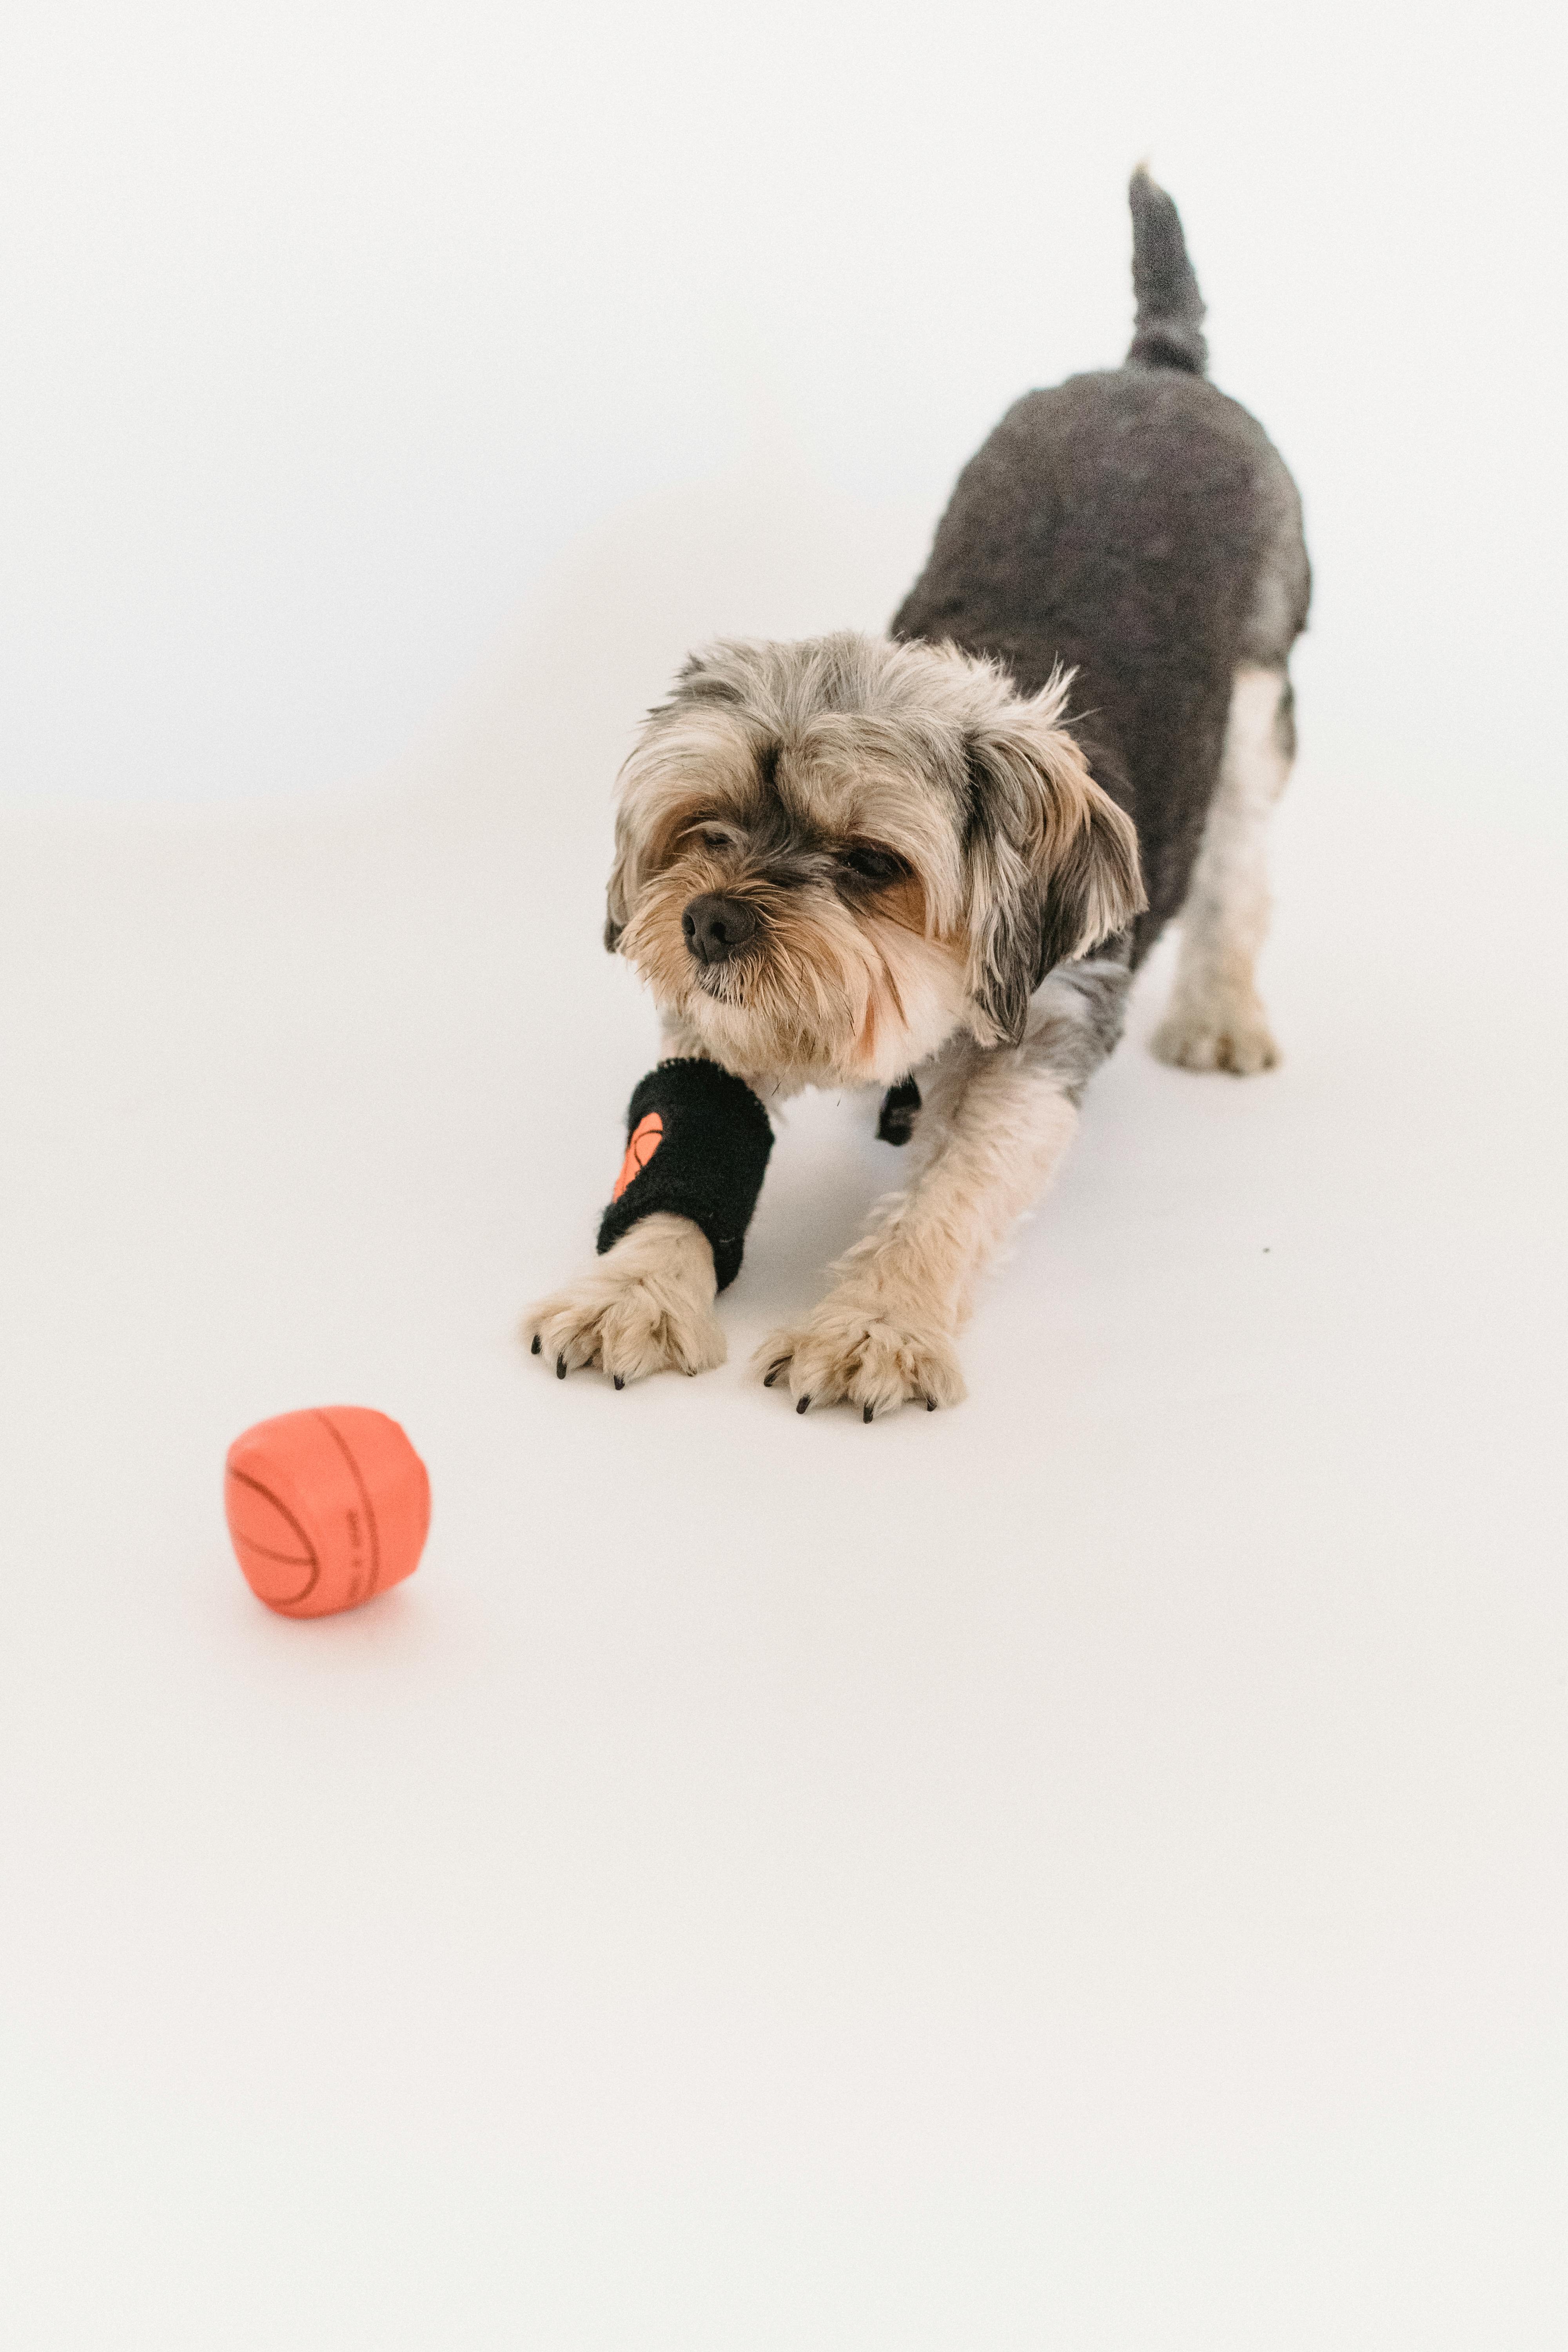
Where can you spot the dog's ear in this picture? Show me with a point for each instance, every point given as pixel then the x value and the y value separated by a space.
pixel 622 886
pixel 1052 862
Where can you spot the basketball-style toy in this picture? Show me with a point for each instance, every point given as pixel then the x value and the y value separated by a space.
pixel 325 1509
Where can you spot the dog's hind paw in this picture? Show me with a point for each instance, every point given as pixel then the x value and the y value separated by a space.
pixel 859 1352
pixel 1237 1040
pixel 646 1306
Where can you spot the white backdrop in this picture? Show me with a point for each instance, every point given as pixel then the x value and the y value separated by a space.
pixel 329 328
pixel 1087 1870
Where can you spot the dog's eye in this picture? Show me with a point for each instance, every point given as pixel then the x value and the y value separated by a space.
pixel 872 865
pixel 712 838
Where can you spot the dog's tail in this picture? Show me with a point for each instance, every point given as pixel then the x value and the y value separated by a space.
pixel 1169 329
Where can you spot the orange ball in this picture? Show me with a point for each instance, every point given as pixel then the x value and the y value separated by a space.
pixel 325 1509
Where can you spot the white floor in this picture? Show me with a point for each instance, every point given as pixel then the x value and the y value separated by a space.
pixel 1086 1870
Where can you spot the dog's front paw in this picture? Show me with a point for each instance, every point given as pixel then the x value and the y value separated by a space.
pixel 863 1352
pixel 646 1306
pixel 1235 1039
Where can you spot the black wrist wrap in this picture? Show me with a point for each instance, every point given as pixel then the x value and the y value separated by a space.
pixel 707 1163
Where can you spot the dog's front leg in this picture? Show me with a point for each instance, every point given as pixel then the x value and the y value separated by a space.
pixel 994 1129
pixel 647 1306
pixel 698 1141
pixel 883 1336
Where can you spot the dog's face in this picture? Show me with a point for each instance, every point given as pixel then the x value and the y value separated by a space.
pixel 831 855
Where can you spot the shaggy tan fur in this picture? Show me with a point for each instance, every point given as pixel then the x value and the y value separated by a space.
pixel 852 992
pixel 992 1130
pixel 911 837
pixel 647 1306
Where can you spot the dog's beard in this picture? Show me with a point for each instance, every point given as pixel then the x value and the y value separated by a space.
pixel 824 991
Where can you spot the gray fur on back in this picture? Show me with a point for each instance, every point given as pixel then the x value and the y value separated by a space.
pixel 1138 526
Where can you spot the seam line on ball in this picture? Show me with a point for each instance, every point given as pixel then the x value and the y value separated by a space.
pixel 340 1442
pixel 293 1600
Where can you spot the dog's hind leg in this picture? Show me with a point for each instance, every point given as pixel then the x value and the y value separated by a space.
pixel 1215 1021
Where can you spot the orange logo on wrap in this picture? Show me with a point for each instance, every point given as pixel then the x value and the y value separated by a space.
pixel 646 1138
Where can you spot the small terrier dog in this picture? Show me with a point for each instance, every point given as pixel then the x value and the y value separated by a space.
pixel 940 856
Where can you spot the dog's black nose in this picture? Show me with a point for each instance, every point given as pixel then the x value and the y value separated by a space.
pixel 716 928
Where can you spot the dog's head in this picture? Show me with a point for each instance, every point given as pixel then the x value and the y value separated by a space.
pixel 831 855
